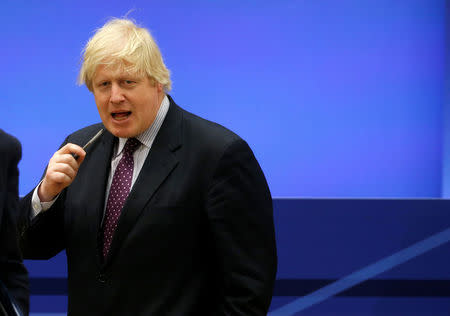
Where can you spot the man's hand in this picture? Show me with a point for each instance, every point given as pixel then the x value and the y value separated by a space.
pixel 61 171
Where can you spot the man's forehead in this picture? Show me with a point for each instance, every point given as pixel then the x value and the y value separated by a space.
pixel 116 70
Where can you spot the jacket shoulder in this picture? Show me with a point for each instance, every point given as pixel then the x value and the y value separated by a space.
pixel 208 132
pixel 9 145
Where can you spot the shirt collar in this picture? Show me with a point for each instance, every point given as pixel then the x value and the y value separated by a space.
pixel 148 136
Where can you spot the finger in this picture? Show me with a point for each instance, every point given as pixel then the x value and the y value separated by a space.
pixel 61 178
pixel 79 158
pixel 66 169
pixel 55 176
pixel 73 149
pixel 67 159
pixel 59 159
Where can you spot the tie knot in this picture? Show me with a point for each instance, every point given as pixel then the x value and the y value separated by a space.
pixel 130 146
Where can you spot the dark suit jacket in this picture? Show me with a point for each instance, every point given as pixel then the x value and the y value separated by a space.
pixel 195 237
pixel 12 271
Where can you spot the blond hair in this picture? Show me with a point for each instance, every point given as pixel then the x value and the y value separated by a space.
pixel 120 42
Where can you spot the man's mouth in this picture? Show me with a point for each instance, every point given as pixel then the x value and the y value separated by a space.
pixel 119 116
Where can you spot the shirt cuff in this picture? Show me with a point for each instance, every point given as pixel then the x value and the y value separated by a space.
pixel 38 206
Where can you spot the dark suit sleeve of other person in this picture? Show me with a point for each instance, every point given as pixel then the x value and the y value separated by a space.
pixel 12 271
pixel 239 208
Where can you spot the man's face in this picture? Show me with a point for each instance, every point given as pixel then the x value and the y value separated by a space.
pixel 127 103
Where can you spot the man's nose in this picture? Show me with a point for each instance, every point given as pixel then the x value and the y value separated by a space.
pixel 116 93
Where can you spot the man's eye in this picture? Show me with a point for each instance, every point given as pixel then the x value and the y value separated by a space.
pixel 129 82
pixel 104 84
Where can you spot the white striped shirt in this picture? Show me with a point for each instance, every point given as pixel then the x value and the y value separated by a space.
pixel 146 139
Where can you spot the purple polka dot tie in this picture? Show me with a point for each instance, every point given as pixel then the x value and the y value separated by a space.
pixel 118 193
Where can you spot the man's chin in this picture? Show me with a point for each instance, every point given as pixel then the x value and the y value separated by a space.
pixel 121 132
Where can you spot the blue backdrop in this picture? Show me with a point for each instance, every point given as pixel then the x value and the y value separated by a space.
pixel 337 98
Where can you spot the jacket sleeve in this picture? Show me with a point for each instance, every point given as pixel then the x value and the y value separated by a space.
pixel 42 237
pixel 239 207
pixel 12 271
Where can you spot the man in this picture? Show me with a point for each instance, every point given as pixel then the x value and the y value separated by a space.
pixel 166 213
pixel 13 275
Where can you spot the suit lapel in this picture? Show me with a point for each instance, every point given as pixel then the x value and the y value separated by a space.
pixel 97 164
pixel 158 165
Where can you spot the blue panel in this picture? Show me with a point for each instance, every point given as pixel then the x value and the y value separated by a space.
pixel 56 267
pixel 379 307
pixel 41 304
pixel 328 239
pixel 325 244
pixel 324 241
